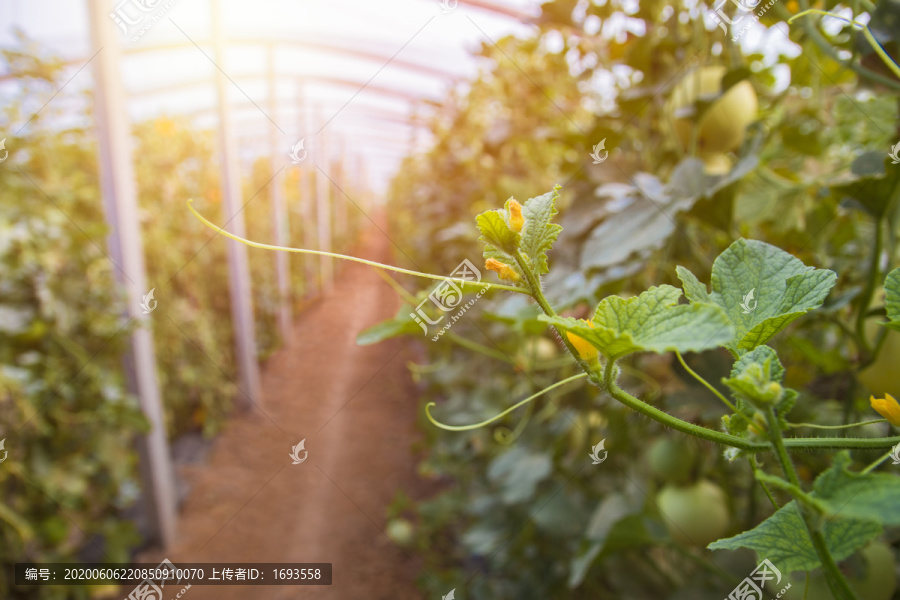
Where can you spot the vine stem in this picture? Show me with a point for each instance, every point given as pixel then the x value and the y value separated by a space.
pixel 833 576
pixel 847 426
pixel 371 263
pixel 537 293
pixel 704 382
pixel 606 381
pixel 504 413
pixel 895 69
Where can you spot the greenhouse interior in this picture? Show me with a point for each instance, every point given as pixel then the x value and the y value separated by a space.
pixel 450 299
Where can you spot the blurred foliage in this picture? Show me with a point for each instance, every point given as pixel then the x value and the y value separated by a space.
pixel 523 513
pixel 69 423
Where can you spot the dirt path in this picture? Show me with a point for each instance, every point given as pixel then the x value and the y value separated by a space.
pixel 356 408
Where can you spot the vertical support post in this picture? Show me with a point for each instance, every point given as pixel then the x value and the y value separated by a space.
pixel 308 177
pixel 280 220
pixel 238 267
pixel 117 183
pixel 339 170
pixel 323 206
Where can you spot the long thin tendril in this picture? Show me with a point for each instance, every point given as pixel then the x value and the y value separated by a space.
pixel 847 426
pixel 371 263
pixel 895 69
pixel 501 415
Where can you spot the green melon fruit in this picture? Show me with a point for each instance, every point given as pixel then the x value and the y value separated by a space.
pixel 694 515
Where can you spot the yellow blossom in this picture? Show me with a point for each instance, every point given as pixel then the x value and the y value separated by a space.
pixel 585 349
pixel 888 408
pixel 516 220
pixel 503 269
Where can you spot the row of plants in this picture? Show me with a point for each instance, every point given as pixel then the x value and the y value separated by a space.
pixel 708 145
pixel 68 422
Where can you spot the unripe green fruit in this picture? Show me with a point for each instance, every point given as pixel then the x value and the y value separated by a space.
pixel 672 459
pixel 695 515
pixel 721 128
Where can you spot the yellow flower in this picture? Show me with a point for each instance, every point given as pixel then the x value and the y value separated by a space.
pixel 888 408
pixel 516 220
pixel 503 269
pixel 585 349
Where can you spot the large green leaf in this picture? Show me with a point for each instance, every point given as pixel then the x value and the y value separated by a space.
pixel 855 506
pixel 653 321
pixel 844 494
pixel 784 540
pixel 761 288
pixel 892 299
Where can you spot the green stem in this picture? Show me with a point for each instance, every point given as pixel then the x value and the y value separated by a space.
pixel 828 49
pixel 895 69
pixel 252 244
pixel 762 484
pixel 833 576
pixel 869 290
pixel 705 383
pixel 834 443
pixel 480 348
pixel 814 426
pixel 665 418
pixel 501 415
pixel 875 464
pixel 537 293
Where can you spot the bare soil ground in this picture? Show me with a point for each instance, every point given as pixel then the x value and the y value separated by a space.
pixel 356 408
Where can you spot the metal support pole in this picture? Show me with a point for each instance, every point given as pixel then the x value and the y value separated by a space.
pixel 307 202
pixel 280 220
pixel 117 183
pixel 323 206
pixel 339 170
pixel 238 268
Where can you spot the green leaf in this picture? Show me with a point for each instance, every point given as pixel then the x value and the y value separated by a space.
pixel 500 242
pixel 653 321
pixel 761 288
pixel 784 540
pixel 875 188
pixel 766 357
pixel 539 233
pixel 518 472
pixel 401 324
pixel 495 232
pixel 892 299
pixel 845 494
